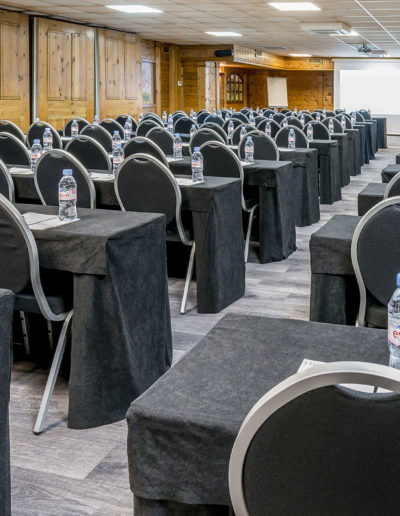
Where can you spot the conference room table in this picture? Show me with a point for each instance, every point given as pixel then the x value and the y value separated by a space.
pixel 381 128
pixel 214 208
pixel 181 431
pixel 355 156
pixel 6 317
pixel 121 331
pixel 345 153
pixel 329 170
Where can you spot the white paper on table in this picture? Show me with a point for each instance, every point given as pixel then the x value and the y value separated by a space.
pixel 187 182
pixel 244 164
pixel 19 171
pixel 307 363
pixel 41 221
pixel 102 177
pixel 170 158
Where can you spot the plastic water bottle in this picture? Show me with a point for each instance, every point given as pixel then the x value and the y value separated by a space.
pixel 164 117
pixel 140 117
pixel 118 157
pixel 292 139
pixel 268 130
pixel 227 117
pixel 128 129
pixel 243 132
pixel 301 118
pixel 170 124
pixel 177 147
pixel 394 327
pixel 219 113
pixel 116 139
pixel 324 112
pixel 191 113
pixel 257 109
pixel 67 196
pixel 318 118
pixel 331 126
pixel 37 119
pixel 193 129
pixel 231 128
pixel 249 150
pixel 74 129
pixel 214 111
pixel 310 131
pixel 47 140
pixel 251 118
pixel 194 116
pixel 353 119
pixel 197 166
pixel 295 110
pixel 271 116
pixel 231 110
pixel 36 152
pixel 343 122
pixel 285 122
pixel 234 110
pixel 95 120
pixel 275 109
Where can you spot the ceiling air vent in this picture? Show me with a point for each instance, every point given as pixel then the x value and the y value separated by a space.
pixel 315 60
pixel 274 48
pixel 326 28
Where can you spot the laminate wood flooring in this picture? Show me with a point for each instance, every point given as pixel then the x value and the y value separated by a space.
pixel 85 472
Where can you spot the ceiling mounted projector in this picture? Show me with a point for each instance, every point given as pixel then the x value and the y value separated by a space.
pixel 365 50
pixel 327 28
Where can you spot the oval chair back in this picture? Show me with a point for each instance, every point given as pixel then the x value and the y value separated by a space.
pixel 320 132
pixel 292 120
pixel 242 117
pixel 6 126
pixel 364 113
pixel 6 183
pixel 82 122
pixel 201 136
pixel 13 151
pixel 217 128
pixel 236 133
pixel 110 125
pixel 214 119
pixel 145 126
pixel 163 138
pixel 275 127
pixel 143 145
pixel 183 125
pixel 98 133
pixel 337 126
pixel 235 122
pixel 265 147
pixel 89 152
pixel 282 138
pixel 348 122
pixel 36 130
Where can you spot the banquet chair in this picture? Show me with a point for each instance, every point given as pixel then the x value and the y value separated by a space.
pixel 154 118
pixel 245 111
pixel 264 146
pixel 337 126
pixel 215 119
pixel 220 161
pixel 110 125
pixel 98 133
pixel 367 116
pixel 375 260
pixel 242 117
pixel 201 117
pixel 217 128
pixel 258 119
pixel 183 125
pixel 203 135
pixel 49 171
pixel 121 119
pixel 359 117
pixel 163 138
pixel 180 112
pixel 275 127
pixel 330 114
pixel 314 115
pixel 235 122
pixel 236 133
pixel 266 112
pixel 224 111
pixel 278 117
pixel 282 138
pixel 393 187
pixel 311 446
pixel 292 120
pixel 145 125
pixel 89 152
pixel 6 183
pixel 285 111
pixel 144 184
pixel 320 132
pixel 20 272
pixel 143 145
pixel 6 126
pixel 36 130
pixel 13 151
pixel 346 118
pixel 307 118
pixel 82 122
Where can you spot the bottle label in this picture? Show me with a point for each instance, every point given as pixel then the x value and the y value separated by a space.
pixel 47 139
pixel 177 146
pixel 393 332
pixel 67 195
pixel 117 160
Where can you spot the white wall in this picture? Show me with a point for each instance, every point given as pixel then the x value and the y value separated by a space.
pixel 369 84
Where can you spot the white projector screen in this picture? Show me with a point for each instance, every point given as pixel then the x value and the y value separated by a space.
pixel 277 91
pixel 369 84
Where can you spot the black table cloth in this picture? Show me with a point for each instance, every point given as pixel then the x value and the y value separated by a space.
pixel 344 156
pixel 121 330
pixel 334 291
pixel 363 142
pixel 329 170
pixel 381 132
pixel 389 172
pixel 6 316
pixel 398 159
pixel 181 431
pixel 355 155
pixel 218 232
pixel 370 196
pixel 274 179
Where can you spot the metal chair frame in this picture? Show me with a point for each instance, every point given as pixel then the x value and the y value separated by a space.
pixel 391 183
pixel 16 129
pixel 9 181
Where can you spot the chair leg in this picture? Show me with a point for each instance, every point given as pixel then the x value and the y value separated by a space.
pixel 50 334
pixel 25 333
pixel 51 380
pixel 188 279
pixel 250 225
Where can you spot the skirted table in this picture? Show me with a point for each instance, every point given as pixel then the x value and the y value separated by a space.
pixel 381 132
pixel 6 317
pixel 329 170
pixel 215 211
pixel 181 431
pixel 345 153
pixel 355 156
pixel 121 331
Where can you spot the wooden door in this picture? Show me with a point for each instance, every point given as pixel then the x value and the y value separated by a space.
pixel 14 68
pixel 120 70
pixel 65 71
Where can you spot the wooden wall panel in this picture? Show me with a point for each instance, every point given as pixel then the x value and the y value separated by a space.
pixel 120 70
pixel 14 68
pixel 65 71
pixel 164 77
pixel 151 53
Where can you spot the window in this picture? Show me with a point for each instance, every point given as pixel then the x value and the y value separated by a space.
pixel 234 88
pixel 148 83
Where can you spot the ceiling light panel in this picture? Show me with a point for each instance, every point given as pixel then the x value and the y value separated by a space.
pixel 294 6
pixel 138 9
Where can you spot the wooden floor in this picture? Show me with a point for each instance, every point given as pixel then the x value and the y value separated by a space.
pixel 84 472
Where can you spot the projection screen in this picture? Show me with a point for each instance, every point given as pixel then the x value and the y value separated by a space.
pixel 369 83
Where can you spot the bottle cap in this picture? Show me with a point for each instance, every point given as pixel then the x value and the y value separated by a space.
pixel 177 135
pixel 249 138
pixel 398 279
pixel 67 172
pixel 74 121
pixel 36 141
pixel 197 149
pixel 116 132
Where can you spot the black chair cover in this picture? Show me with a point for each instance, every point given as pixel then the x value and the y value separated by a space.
pixel 98 133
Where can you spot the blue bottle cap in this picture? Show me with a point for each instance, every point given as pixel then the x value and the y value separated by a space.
pixel 36 141
pixel 197 149
pixel 116 132
pixel 67 172
pixel 398 279
pixel 177 135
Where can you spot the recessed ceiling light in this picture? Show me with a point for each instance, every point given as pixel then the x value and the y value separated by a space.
pixel 352 33
pixel 300 55
pixel 222 34
pixel 139 9
pixel 295 6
